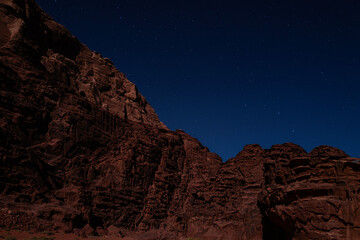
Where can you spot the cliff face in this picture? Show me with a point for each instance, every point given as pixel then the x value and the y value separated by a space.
pixel 310 196
pixel 81 150
pixel 36 47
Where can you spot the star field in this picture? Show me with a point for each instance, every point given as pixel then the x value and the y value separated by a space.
pixel 232 73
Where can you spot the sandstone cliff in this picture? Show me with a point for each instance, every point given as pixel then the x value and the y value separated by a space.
pixel 82 151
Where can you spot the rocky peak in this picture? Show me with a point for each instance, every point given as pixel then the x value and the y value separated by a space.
pixel 82 151
pixel 323 150
pixel 61 58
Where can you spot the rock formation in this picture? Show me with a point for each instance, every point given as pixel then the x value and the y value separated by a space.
pixel 310 196
pixel 82 151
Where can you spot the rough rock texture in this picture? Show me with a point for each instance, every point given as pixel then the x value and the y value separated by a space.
pixel 310 196
pixel 82 151
pixel 42 51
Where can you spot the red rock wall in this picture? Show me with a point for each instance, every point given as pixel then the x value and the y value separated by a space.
pixel 81 150
pixel 310 196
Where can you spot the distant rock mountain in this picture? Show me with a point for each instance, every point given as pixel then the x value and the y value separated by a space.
pixel 82 151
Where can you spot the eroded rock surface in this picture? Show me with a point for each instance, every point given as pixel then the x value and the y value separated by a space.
pixel 310 196
pixel 82 151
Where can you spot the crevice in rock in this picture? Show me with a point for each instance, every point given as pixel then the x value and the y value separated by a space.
pixel 272 231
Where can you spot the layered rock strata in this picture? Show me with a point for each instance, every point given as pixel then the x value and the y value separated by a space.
pixel 310 196
pixel 82 151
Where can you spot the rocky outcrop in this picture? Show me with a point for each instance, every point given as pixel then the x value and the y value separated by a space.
pixel 82 151
pixel 35 47
pixel 310 196
pixel 81 148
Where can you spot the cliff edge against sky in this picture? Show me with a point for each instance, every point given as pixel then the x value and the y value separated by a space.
pixel 83 151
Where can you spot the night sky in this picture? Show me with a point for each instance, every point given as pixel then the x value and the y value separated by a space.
pixel 232 73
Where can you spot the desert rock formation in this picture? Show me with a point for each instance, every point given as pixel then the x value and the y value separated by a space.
pixel 82 151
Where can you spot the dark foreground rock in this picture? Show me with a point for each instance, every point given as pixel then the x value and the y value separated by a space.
pixel 310 196
pixel 82 151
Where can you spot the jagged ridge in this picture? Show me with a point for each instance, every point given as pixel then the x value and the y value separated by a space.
pixel 81 150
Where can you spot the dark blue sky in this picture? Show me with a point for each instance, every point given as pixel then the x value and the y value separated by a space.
pixel 232 73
